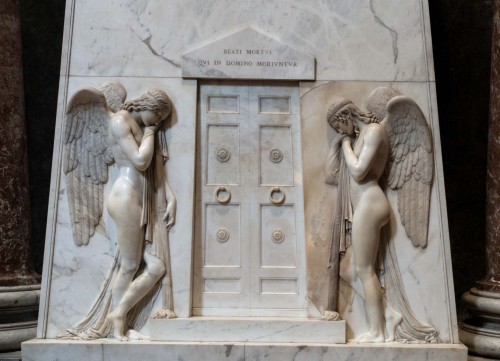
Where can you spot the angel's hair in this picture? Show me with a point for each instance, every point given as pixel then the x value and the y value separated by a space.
pixel 335 106
pixel 155 100
pixel 366 118
pixel 341 103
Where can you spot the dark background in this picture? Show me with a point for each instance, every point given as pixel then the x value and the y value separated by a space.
pixel 461 35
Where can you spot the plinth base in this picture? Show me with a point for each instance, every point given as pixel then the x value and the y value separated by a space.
pixel 480 344
pixel 248 329
pixel 18 315
pixel 10 356
pixel 112 350
pixel 481 333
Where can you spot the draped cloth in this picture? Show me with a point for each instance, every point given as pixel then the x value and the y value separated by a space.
pixel 410 330
pixel 95 324
pixel 341 232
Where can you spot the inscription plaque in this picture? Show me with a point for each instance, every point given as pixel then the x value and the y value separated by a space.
pixel 248 54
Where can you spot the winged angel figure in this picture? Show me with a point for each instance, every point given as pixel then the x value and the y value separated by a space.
pixel 392 138
pixel 101 128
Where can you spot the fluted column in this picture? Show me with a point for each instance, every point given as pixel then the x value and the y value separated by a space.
pixel 481 332
pixel 19 284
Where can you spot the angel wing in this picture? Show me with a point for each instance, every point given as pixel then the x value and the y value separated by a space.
pixel 115 94
pixel 378 99
pixel 86 160
pixel 411 165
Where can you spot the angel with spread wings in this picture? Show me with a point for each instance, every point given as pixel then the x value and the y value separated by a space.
pixel 390 144
pixel 101 128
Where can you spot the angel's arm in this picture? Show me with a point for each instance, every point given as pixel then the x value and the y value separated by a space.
pixel 332 166
pixel 360 166
pixel 139 155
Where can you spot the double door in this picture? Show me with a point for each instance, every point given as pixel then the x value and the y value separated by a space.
pixel 249 236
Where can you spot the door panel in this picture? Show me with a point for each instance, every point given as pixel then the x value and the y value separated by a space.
pixel 220 272
pixel 223 154
pixel 274 104
pixel 278 238
pixel 276 158
pixel 279 281
pixel 222 236
pixel 250 242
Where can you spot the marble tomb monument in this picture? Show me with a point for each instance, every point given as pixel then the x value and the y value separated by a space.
pixel 238 180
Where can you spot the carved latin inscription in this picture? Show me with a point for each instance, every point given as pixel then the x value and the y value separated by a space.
pixel 248 54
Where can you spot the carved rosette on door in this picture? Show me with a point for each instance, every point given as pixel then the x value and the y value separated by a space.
pixel 249 242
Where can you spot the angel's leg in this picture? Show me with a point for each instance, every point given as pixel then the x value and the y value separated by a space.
pixel 155 269
pixel 392 321
pixel 129 264
pixel 125 209
pixel 367 222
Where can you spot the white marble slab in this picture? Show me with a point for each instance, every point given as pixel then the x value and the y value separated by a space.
pixel 110 350
pixel 248 329
pixel 363 40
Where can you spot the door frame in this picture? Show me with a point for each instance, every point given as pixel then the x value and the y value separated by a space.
pixel 298 205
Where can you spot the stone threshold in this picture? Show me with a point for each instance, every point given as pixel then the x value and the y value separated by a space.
pixel 248 329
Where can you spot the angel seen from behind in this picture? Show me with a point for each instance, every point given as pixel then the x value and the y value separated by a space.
pixel 101 128
pixel 389 145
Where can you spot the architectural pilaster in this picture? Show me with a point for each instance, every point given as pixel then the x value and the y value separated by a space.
pixel 481 332
pixel 19 284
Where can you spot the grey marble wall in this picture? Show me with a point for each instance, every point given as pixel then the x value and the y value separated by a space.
pixel 461 31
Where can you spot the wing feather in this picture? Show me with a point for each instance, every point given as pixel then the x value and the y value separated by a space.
pixel 90 206
pixel 77 225
pixel 411 164
pixel 85 161
pixel 413 208
pixel 85 219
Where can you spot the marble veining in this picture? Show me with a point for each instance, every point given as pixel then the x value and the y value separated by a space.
pixel 362 42
pixel 394 34
pixel 249 329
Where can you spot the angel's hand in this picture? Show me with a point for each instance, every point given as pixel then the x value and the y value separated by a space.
pixel 151 129
pixel 169 216
pixel 148 131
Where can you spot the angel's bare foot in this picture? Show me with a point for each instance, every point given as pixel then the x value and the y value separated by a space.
pixel 331 316
pixel 118 326
pixel 368 337
pixel 136 335
pixel 164 313
pixel 392 321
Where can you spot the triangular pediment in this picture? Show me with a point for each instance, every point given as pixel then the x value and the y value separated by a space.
pixel 247 54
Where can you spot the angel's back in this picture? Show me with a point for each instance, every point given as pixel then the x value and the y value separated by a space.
pixel 122 127
pixel 124 140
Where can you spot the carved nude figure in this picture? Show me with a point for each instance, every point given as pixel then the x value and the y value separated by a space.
pixel 366 160
pixel 393 137
pixel 138 202
pixel 133 151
